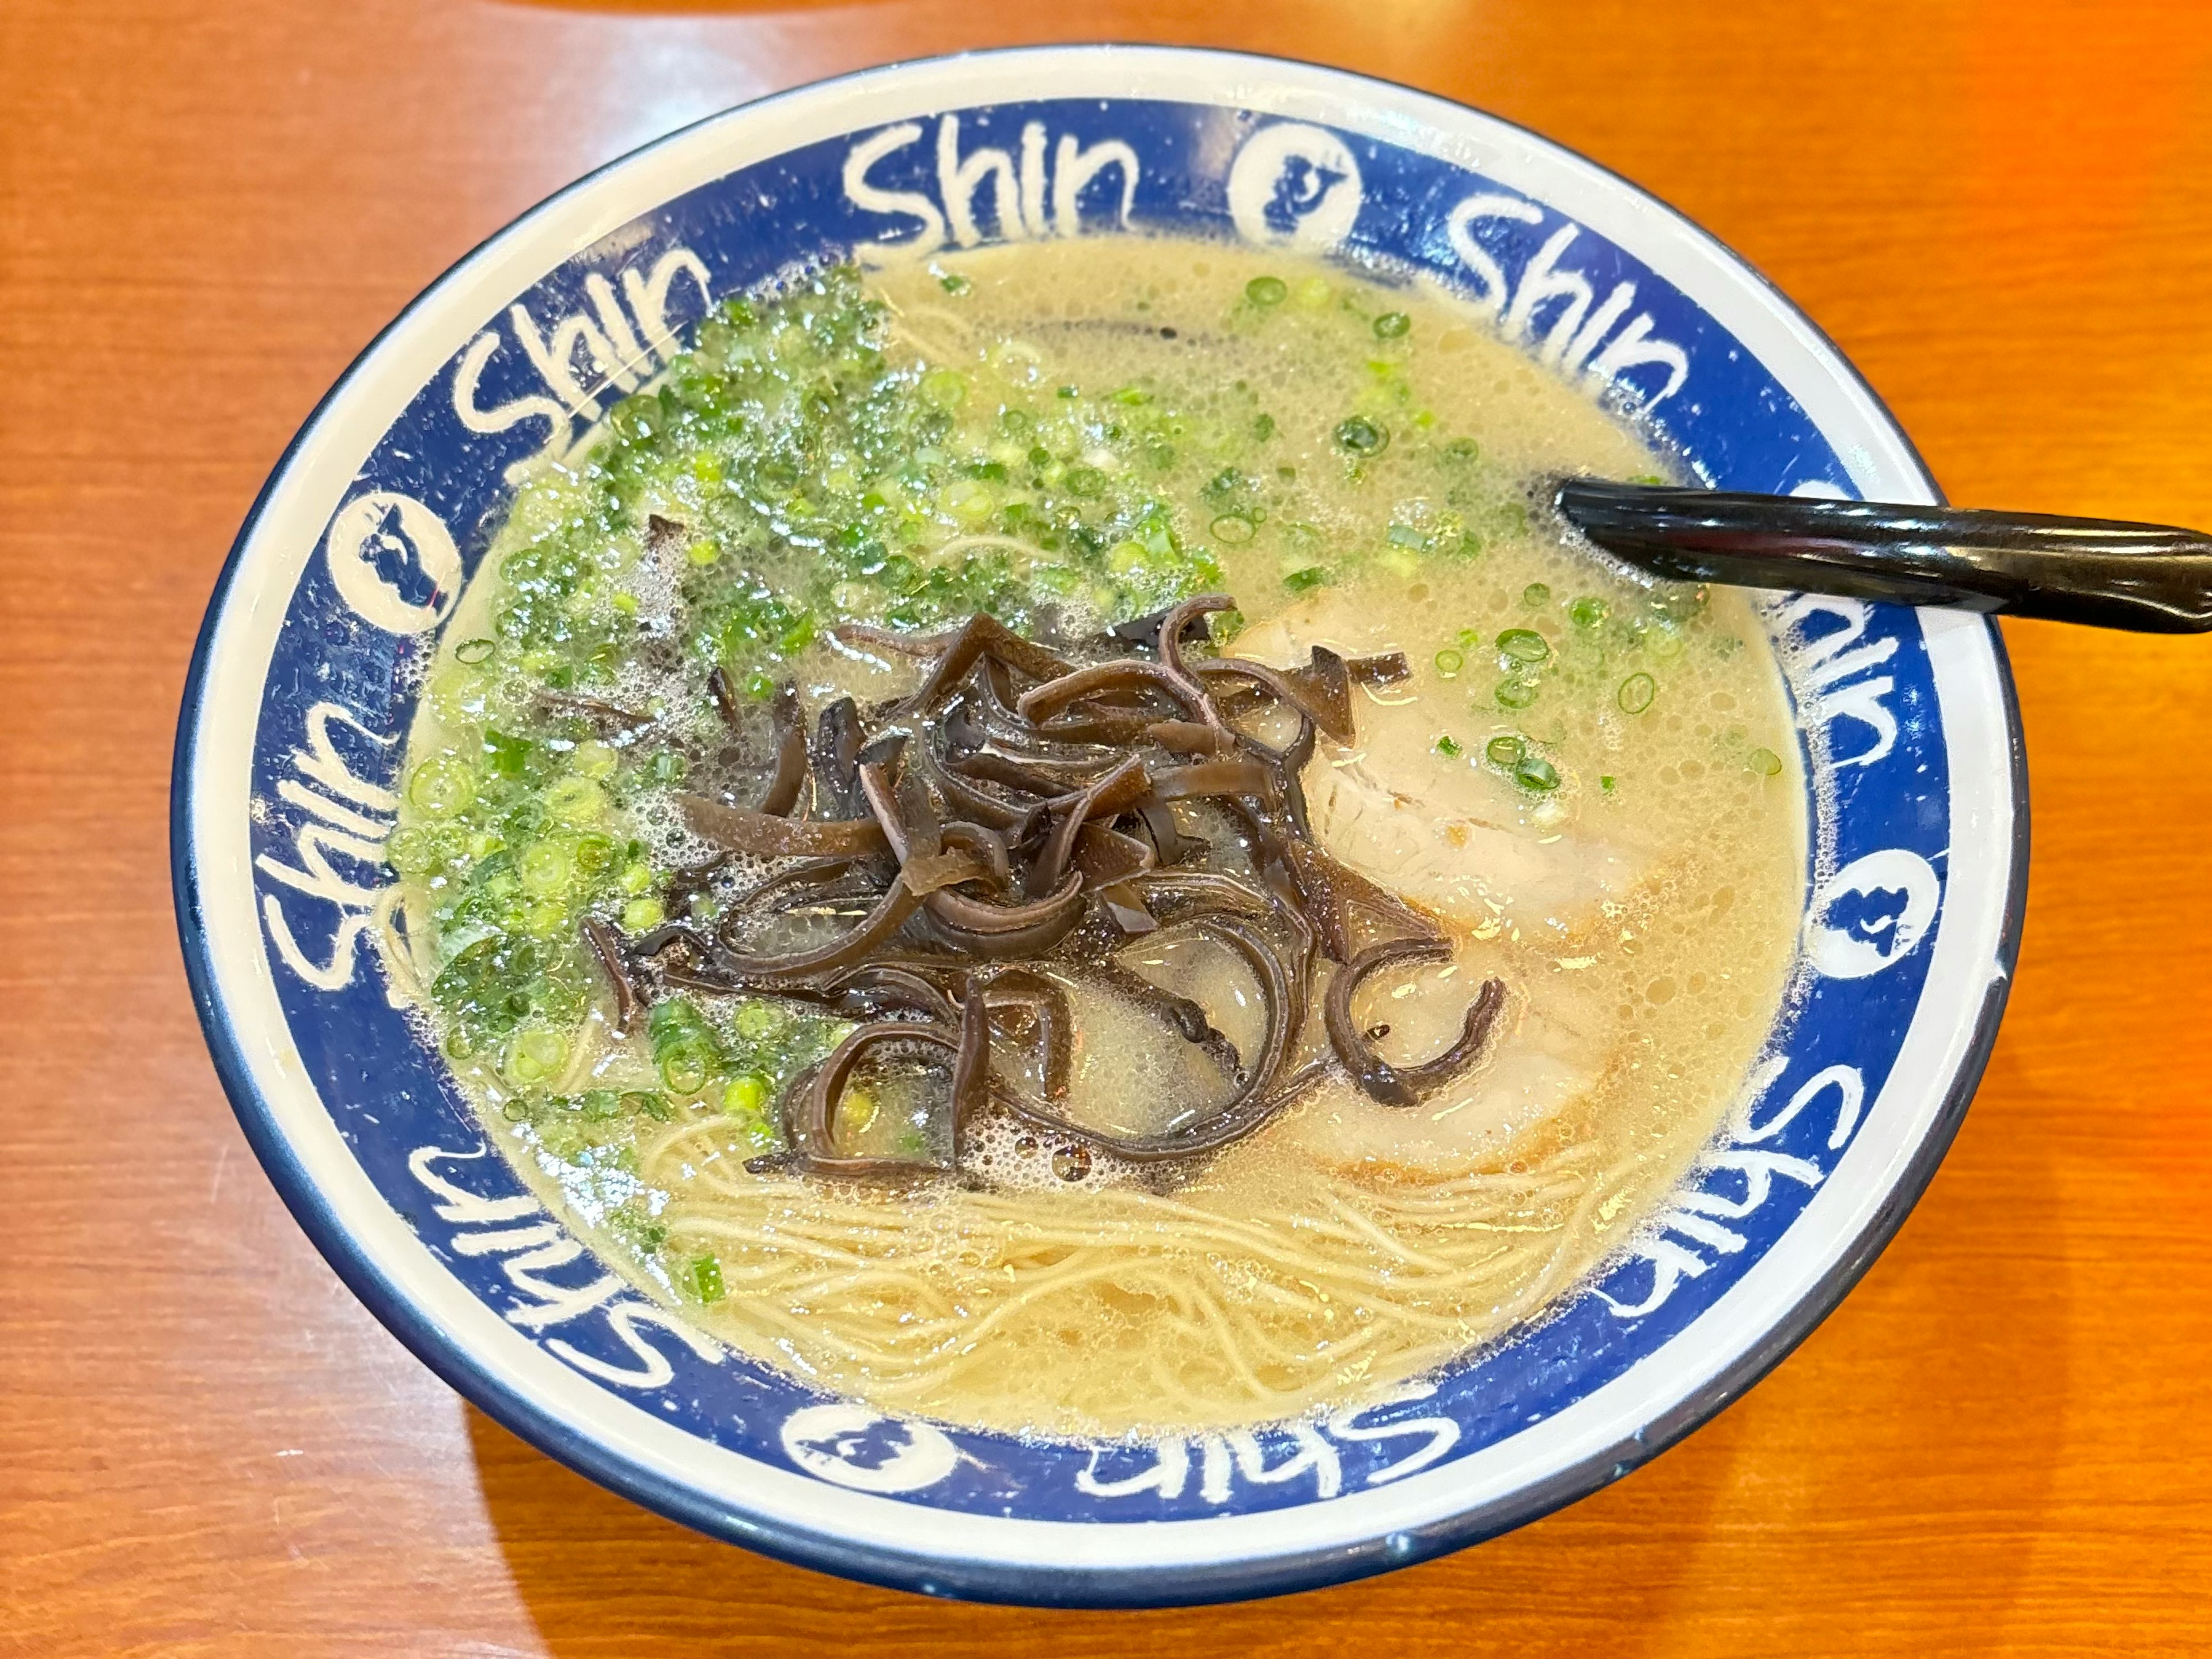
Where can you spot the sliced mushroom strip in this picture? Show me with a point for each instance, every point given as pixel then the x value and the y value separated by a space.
pixel 1237 1117
pixel 981 716
pixel 720 968
pixel 1040 774
pixel 1169 644
pixel 1022 990
pixel 790 774
pixel 1013 820
pixel 1386 668
pixel 837 759
pixel 876 987
pixel 981 636
pixel 1220 777
pixel 1190 736
pixel 1189 1018
pixel 1107 856
pixel 606 944
pixel 1334 892
pixel 810 1116
pixel 969 917
pixel 687 885
pixel 1116 793
pixel 1308 694
pixel 1403 1086
pixel 810 1109
pixel 609 720
pixel 1095 723
pixel 724 690
pixel 765 836
pixel 1055 924
pixel 868 636
pixel 814 872
pixel 1039 703
pixel 988 845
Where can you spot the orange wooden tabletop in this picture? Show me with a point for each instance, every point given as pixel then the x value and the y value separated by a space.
pixel 2002 209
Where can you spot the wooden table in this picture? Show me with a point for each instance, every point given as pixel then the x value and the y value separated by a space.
pixel 2003 212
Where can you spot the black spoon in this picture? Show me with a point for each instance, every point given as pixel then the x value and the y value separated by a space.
pixel 2152 578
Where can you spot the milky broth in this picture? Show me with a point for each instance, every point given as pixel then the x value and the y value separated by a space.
pixel 1592 782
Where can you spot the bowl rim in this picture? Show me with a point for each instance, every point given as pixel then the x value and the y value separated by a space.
pixel 1076 1580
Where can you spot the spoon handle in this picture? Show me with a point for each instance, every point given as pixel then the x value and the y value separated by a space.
pixel 2152 578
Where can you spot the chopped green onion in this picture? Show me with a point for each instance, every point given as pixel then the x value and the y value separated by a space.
pixel 641 914
pixel 1516 693
pixel 473 652
pixel 575 800
pixel 969 499
pixel 1524 645
pixel 746 1096
pixel 1266 290
pixel 536 1054
pixel 1536 594
pixel 1636 692
pixel 705 1276
pixel 1766 763
pixel 944 388
pixel 545 919
pixel 953 283
pixel 545 867
pixel 442 785
pixel 1300 582
pixel 1392 324
pixel 1361 435
pixel 685 1068
pixel 1586 612
pixel 1448 746
pixel 757 1022
pixel 1232 527
pixel 1449 663
pixel 1534 772
pixel 636 876
pixel 651 1101
pixel 1605 781
pixel 1504 752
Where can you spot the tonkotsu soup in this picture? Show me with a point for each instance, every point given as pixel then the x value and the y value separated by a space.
pixel 1059 840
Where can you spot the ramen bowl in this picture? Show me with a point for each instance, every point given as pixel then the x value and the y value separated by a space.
pixel 303 689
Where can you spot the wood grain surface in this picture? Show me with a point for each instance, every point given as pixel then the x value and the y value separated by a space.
pixel 2002 210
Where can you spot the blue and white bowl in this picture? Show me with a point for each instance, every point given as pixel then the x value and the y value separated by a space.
pixel 301 691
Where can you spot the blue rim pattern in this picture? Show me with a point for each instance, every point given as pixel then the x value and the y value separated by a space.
pixel 1865 672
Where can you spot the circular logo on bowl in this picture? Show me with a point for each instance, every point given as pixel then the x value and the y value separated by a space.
pixel 1871 912
pixel 1294 186
pixel 854 1447
pixel 394 561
